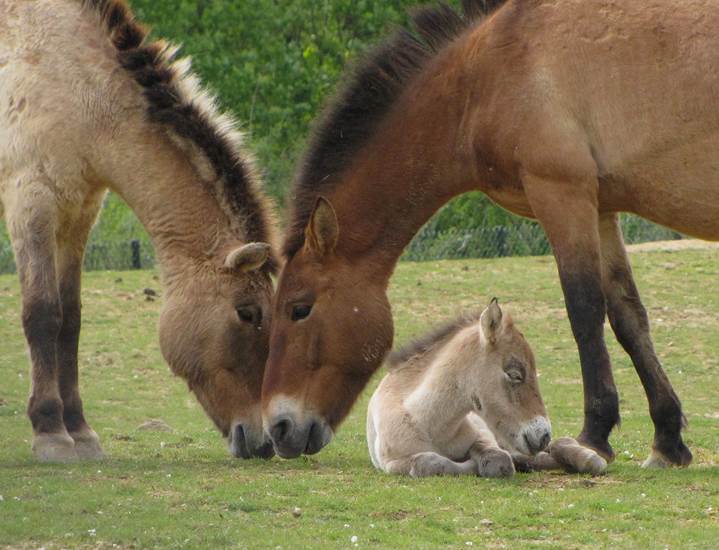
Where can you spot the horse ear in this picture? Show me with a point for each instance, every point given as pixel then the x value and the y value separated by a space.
pixel 322 230
pixel 490 321
pixel 248 257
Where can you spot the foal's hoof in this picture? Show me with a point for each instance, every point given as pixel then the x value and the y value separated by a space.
pixel 87 445
pixel 679 456
pixel 602 448
pixel 495 463
pixel 54 448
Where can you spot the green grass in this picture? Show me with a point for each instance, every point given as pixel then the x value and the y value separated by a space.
pixel 182 489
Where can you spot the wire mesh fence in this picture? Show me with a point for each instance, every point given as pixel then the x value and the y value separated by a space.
pixel 120 255
pixel 523 238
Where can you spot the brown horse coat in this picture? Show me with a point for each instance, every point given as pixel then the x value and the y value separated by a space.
pixel 567 111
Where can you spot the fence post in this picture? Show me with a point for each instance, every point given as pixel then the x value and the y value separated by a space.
pixel 136 264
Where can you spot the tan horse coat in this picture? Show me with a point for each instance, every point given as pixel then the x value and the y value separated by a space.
pixel 444 403
pixel 87 104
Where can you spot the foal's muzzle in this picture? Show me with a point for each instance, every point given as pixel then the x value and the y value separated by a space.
pixel 537 435
pixel 242 445
pixel 291 439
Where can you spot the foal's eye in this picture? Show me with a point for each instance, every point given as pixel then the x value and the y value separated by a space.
pixel 250 314
pixel 300 312
pixel 515 376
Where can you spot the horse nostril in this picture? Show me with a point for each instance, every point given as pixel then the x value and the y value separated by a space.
pixel 239 443
pixel 546 439
pixel 280 429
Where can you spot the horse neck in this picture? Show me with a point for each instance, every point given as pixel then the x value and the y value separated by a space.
pixel 442 398
pixel 158 181
pixel 412 166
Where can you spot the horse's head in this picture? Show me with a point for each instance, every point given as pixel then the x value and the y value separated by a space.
pixel 331 328
pixel 214 332
pixel 505 390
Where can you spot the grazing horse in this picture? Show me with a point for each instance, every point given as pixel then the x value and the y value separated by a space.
pixel 564 111
pixel 87 104
pixel 465 400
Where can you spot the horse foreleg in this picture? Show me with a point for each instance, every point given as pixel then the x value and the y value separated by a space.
pixel 483 449
pixel 631 326
pixel 32 226
pixel 71 247
pixel 567 210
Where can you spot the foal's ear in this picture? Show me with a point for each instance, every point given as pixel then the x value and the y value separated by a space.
pixel 322 230
pixel 490 321
pixel 248 257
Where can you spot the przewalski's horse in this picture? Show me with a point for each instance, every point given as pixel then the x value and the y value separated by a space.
pixel 87 104
pixel 568 112
pixel 465 400
pixel 422 419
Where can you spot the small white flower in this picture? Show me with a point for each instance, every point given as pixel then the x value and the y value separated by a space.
pixel 354 539
pixel 469 543
pixel 92 532
pixel 347 525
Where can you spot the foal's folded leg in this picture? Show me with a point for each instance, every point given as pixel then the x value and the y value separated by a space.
pixel 483 449
pixel 430 464
pixel 539 462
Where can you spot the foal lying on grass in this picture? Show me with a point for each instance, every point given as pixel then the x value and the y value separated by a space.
pixel 465 400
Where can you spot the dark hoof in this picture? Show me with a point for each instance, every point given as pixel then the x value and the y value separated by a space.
pixel 602 448
pixel 665 454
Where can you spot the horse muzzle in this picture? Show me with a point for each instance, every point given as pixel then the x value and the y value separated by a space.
pixel 243 445
pixel 291 439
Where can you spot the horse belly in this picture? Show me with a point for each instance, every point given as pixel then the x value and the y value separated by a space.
pixel 678 189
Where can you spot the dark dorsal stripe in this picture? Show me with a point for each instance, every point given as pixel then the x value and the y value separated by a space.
pixel 437 337
pixel 369 91
pixel 151 64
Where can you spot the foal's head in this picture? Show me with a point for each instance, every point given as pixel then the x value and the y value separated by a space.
pixel 505 390
pixel 214 332
pixel 331 328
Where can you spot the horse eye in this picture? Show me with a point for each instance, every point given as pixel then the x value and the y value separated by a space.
pixel 250 315
pixel 300 312
pixel 515 376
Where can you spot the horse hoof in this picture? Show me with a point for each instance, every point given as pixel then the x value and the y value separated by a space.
pixel 679 456
pixel 495 463
pixel 54 448
pixel 87 445
pixel 602 448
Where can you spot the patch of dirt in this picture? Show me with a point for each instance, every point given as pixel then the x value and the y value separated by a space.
pixel 155 426
pixel 672 246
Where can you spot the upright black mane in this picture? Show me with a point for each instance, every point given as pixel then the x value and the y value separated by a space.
pixel 369 90
pixel 436 336
pixel 176 100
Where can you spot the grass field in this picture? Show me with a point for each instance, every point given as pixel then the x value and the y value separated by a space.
pixel 181 489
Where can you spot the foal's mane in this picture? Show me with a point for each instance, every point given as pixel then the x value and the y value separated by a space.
pixel 431 340
pixel 177 101
pixel 368 92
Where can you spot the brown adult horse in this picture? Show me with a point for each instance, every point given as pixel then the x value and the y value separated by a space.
pixel 87 104
pixel 565 111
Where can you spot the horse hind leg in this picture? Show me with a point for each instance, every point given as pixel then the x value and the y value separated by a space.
pixel 32 222
pixel 631 326
pixel 70 252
